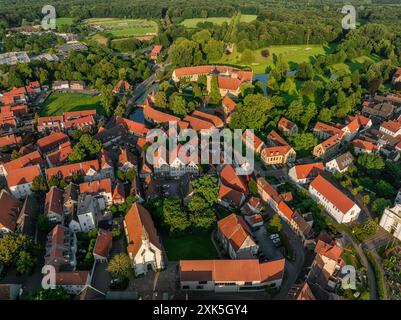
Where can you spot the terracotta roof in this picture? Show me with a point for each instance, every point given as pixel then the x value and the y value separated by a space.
pixel 326 128
pixel 331 251
pixel 285 210
pixel 234 228
pixel 268 188
pixel 393 126
pixel 156 50
pixel 332 194
pixel 255 202
pixel 133 126
pixel 52 140
pixel 79 123
pixel 78 114
pixel 96 186
pixel 332 141
pixel 217 122
pixel 230 178
pixel 54 201
pixel 9 140
pixel 247 136
pixel 61 155
pixel 23 175
pixel 103 244
pixel 78 278
pixel 353 126
pixel 198 124
pixel 285 123
pixel 9 212
pixel 275 151
pixel 256 218
pixel 124 156
pixel 273 138
pixel 228 83
pixel 158 116
pixel 365 145
pixel 231 270
pixel 304 171
pixel 229 103
pixel 42 120
pixel 227 193
pixel 69 169
pixel 119 193
pixel 305 293
pixel 139 225
pixel 105 159
pixel 122 85
pixel 29 159
pixel 209 69
pixel 141 142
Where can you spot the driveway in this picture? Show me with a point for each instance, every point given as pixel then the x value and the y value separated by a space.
pixel 266 245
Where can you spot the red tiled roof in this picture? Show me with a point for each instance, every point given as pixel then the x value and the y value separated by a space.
pixel 78 114
pixel 209 69
pixel 80 123
pixel 332 194
pixel 122 85
pixel 133 126
pixel 331 130
pixel 22 175
pixel 52 140
pixel 230 178
pixel 392 125
pixel 332 141
pixel 9 212
pixel 9 139
pixel 285 123
pixel 304 171
pixel 139 224
pixel 61 155
pixel 103 244
pixel 54 201
pixel 124 156
pixel 331 251
pixel 227 193
pixel 231 270
pixel 353 126
pixel 198 124
pixel 157 116
pixel 247 135
pixel 208 117
pixel 268 188
pixel 96 186
pixel 305 293
pixel 156 50
pixel 234 228
pixel 229 103
pixel 275 139
pixel 275 151
pixel 228 83
pixel 29 159
pixel 70 278
pixel 365 145
pixel 285 210
pixel 69 169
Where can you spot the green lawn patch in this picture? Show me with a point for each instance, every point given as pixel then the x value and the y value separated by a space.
pixel 191 23
pixel 354 64
pixel 58 102
pixel 190 246
pixel 125 27
pixel 64 21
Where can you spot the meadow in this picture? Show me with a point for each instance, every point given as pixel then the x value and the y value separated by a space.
pixel 125 27
pixel 191 23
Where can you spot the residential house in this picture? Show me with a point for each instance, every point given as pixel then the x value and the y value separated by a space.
pixel 126 160
pixel 228 106
pixel 27 219
pixel 106 165
pixel 60 85
pixel 231 275
pixel 229 177
pixel 255 221
pixel 30 159
pixel 10 210
pixel 88 214
pixel 20 181
pixel 287 127
pixel 89 169
pixel 391 127
pixel 155 116
pixel 252 141
pixel 103 244
pixel 268 193
pixel 155 51
pixel 236 237
pixel 305 173
pixel 121 192
pixel 54 204
pixel 230 198
pixel 10 141
pixel 144 248
pixel 61 248
pixel 364 146
pixel 122 87
pixel 70 200
pixel 277 150
pixel 50 124
pixel 381 111
pixel 51 142
pixel 59 156
pixel 335 202
pixel 340 163
pixel 391 220
pixel 100 189
pixel 73 281
pixel 328 147
pixel 77 85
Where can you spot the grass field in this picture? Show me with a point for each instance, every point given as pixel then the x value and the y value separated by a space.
pixel 191 23
pixel 294 54
pixel 57 103
pixel 99 39
pixel 190 246
pixel 64 21
pixel 125 27
pixel 355 64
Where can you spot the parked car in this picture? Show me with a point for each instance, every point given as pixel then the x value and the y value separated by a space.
pixel 274 236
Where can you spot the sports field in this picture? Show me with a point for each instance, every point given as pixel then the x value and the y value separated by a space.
pixel 125 27
pixel 191 23
pixel 57 103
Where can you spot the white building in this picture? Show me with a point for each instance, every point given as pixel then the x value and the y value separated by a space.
pixel 391 220
pixel 231 275
pixel 73 281
pixel 88 214
pixel 144 248
pixel 54 210
pixel 305 173
pixel 340 164
pixel 336 203
pixel 20 181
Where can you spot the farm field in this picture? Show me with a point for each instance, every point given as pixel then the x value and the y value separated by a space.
pixel 57 103
pixel 64 21
pixel 191 23
pixel 125 27
pixel 294 54
pixel 190 246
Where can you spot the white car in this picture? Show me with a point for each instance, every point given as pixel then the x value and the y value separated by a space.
pixel 274 236
pixel 276 241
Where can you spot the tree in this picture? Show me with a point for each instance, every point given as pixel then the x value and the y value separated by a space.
pixel 207 187
pixel 130 175
pixel 213 50
pixel 325 115
pixel 204 219
pixel 178 105
pixel 88 147
pixel 43 223
pixel 119 266
pixel 304 142
pixel 265 53
pixel 59 293
pixel 11 252
pixel 25 262
pixel 305 71
pixel 197 204
pixel 161 99
pixel 39 185
pixel 253 188
pixel 309 114
pixel 214 95
pixel 107 99
pixel 247 56
pixel 379 205
pixel 253 113
pixel 121 107
pixel 54 181
pixel 370 161
pixel 275 224
pixel 173 215
pixel 15 155
pixel 295 111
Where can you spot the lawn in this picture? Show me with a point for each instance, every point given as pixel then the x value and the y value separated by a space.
pixel 355 64
pixel 190 246
pixel 191 23
pixel 57 103
pixel 294 54
pixel 99 38
pixel 125 27
pixel 65 21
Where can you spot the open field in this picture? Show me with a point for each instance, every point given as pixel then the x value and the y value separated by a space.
pixel 294 54
pixel 191 23
pixel 125 27
pixel 57 103
pixel 64 21
pixel 355 64
pixel 190 246
pixel 99 39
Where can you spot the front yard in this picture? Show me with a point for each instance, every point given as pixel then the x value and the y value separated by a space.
pixel 189 246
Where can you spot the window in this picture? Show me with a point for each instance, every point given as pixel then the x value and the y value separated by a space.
pixel 202 282
pixel 185 287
